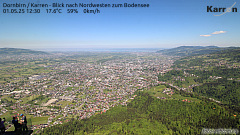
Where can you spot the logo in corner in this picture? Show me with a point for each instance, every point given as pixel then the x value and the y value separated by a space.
pixel 223 10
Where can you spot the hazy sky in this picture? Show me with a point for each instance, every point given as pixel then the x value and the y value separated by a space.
pixel 165 24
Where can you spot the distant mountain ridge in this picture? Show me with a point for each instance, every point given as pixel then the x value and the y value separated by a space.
pixel 191 50
pixel 18 51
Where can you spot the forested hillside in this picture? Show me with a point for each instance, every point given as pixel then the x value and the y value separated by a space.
pixel 228 58
pixel 214 75
pixel 225 91
pixel 190 50
pixel 17 51
pixel 149 115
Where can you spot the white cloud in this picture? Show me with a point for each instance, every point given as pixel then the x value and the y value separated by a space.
pixel 214 33
pixel 219 32
pixel 205 35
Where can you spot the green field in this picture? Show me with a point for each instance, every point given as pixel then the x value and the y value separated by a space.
pixel 179 97
pixel 35 120
pixel 38 120
pixel 157 92
pixel 8 115
pixel 30 98
pixel 9 99
pixel 11 128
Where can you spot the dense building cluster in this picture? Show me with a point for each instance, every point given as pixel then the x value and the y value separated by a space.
pixel 83 88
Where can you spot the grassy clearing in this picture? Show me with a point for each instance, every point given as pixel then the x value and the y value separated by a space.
pixel 45 100
pixel 69 88
pixel 1 81
pixel 35 99
pixel 11 128
pixel 37 120
pixel 9 99
pixel 179 97
pixel 20 111
pixel 157 91
pixel 30 98
pixel 8 115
